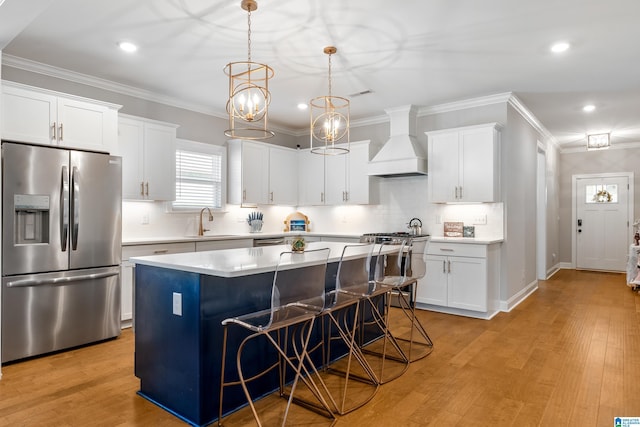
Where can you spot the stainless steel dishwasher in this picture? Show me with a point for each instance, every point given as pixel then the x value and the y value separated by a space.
pixel 268 241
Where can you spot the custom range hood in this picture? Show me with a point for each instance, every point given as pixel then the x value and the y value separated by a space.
pixel 401 155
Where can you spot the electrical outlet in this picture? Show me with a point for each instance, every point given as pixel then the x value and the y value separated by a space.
pixel 145 218
pixel 480 220
pixel 177 304
pixel 438 219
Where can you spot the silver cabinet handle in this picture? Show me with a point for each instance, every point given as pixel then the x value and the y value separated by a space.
pixel 244 195
pixel 54 131
pixel 449 266
pixel 75 200
pixel 446 250
pixel 456 192
pixel 142 188
pixel 64 208
pixel 161 251
pixel 146 192
pixel 461 192
pixel 271 196
pixel 444 266
pixel 61 132
pixel 322 197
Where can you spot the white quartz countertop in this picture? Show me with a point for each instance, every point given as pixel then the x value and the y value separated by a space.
pixel 239 262
pixel 213 237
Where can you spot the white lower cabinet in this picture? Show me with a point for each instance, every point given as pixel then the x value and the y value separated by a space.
pixel 460 276
pixel 126 271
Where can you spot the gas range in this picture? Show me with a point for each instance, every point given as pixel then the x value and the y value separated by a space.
pixel 393 238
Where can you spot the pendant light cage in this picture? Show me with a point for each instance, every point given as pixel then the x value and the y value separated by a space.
pixel 249 96
pixel 329 116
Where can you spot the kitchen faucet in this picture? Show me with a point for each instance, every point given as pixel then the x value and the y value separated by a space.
pixel 201 230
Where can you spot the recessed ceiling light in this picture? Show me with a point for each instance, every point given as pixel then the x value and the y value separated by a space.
pixel 127 46
pixel 560 47
pixel 588 108
pixel 303 106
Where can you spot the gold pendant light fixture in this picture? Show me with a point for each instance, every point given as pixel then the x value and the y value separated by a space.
pixel 329 120
pixel 249 96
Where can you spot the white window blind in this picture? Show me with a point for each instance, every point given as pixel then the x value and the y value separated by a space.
pixel 198 178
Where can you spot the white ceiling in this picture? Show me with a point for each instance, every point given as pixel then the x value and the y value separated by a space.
pixel 421 52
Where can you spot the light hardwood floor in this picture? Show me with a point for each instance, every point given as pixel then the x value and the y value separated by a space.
pixel 568 355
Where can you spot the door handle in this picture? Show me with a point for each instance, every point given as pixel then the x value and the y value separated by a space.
pixel 64 209
pixel 75 201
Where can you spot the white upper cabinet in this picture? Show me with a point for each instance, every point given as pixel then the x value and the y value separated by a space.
pixel 283 176
pixel 335 180
pixel 464 164
pixel 41 116
pixel 260 174
pixel 148 150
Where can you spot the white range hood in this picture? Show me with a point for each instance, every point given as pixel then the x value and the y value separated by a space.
pixel 401 155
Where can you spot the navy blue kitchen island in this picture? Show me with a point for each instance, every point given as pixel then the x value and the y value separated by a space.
pixel 180 301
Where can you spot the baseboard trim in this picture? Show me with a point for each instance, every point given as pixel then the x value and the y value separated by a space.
pixel 513 302
pixel 457 311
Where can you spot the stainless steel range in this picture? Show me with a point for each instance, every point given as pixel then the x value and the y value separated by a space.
pixel 395 238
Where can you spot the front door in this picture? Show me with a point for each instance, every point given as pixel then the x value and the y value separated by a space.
pixel 602 222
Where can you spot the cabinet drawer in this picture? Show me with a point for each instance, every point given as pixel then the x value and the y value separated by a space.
pixel 156 249
pixel 457 249
pixel 212 245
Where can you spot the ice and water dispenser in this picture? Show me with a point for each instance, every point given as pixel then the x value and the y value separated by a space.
pixel 31 219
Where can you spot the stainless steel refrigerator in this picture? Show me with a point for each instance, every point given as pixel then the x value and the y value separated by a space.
pixel 61 248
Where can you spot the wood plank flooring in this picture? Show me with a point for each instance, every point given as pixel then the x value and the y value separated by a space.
pixel 568 355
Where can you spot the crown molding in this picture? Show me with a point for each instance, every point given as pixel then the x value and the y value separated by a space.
pixel 481 101
pixel 617 146
pixel 517 105
pixel 75 77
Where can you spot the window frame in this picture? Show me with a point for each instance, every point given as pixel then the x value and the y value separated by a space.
pixel 205 148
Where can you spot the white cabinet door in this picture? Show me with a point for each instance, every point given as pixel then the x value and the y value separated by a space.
pixel 126 291
pixel 478 165
pixel 432 288
pixel 358 181
pixel 467 283
pixel 335 179
pixel 255 173
pixel 443 166
pixel 131 149
pixel 160 161
pixel 463 164
pixel 283 176
pixel 40 116
pixel 86 125
pixel 311 185
pixel 148 151
pixel 28 116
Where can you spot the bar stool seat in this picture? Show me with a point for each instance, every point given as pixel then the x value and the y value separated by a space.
pixel 297 298
pixel 410 266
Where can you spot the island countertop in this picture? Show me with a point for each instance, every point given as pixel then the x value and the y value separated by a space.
pixel 241 261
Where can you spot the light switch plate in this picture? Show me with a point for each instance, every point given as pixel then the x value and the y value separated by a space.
pixel 177 304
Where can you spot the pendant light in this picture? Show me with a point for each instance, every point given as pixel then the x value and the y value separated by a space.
pixel 329 120
pixel 249 96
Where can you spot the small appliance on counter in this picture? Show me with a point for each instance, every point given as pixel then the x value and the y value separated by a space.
pixel 296 221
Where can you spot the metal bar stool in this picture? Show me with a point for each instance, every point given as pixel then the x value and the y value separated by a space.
pixel 341 313
pixel 297 297
pixel 401 279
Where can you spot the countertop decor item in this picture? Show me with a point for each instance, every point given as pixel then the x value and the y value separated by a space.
pixel 453 229
pixel 254 219
pixel 296 221
pixel 298 244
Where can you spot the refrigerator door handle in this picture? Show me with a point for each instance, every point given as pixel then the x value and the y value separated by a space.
pixel 75 206
pixel 59 280
pixel 64 209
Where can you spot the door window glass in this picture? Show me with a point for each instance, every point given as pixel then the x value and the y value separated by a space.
pixel 602 193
